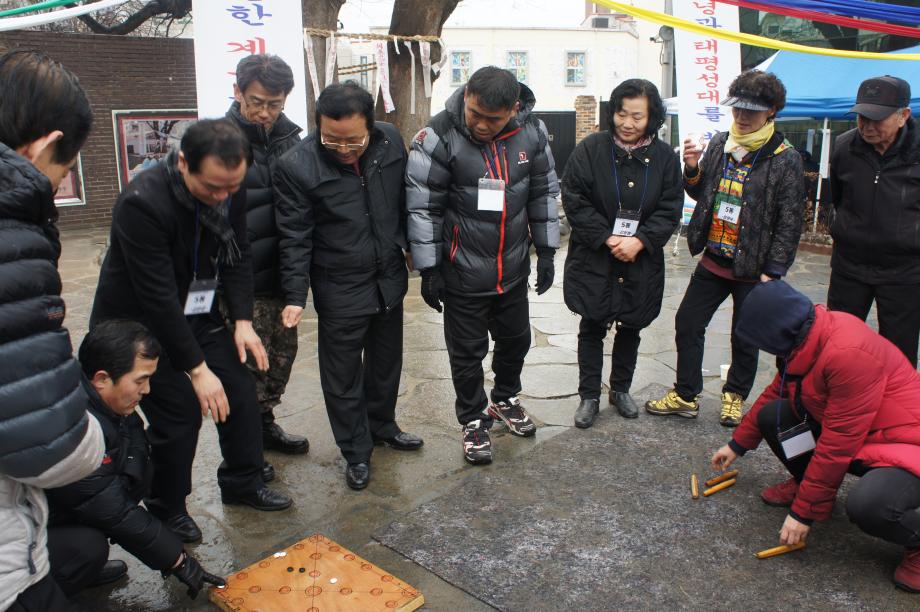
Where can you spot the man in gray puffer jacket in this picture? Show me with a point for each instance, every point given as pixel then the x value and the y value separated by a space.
pixel 481 187
pixel 47 439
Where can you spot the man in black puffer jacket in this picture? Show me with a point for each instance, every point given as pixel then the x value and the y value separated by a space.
pixel 47 439
pixel 341 217
pixel 263 83
pixel 118 359
pixel 481 187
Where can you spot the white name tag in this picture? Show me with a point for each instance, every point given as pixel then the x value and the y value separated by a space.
pixel 797 441
pixel 627 223
pixel 729 212
pixel 200 296
pixel 491 195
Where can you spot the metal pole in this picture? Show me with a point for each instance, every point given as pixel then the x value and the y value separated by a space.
pixel 825 151
pixel 667 68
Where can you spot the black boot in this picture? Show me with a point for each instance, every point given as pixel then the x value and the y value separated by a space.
pixel 586 413
pixel 268 472
pixel 625 404
pixel 357 475
pixel 274 438
pixel 112 570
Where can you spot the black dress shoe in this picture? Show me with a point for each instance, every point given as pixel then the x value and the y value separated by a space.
pixel 402 441
pixel 625 404
pixel 185 527
pixel 112 570
pixel 586 413
pixel 357 475
pixel 275 438
pixel 268 472
pixel 264 499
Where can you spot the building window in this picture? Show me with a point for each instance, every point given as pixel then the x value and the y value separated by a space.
pixel 363 75
pixel 460 62
pixel 517 64
pixel 575 68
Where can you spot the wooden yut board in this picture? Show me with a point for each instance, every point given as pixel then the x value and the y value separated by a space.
pixel 315 575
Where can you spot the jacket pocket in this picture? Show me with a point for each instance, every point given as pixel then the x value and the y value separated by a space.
pixel 455 243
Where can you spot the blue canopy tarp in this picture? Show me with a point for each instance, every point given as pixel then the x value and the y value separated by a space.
pixel 821 86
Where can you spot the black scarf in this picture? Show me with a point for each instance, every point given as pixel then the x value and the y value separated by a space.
pixel 215 219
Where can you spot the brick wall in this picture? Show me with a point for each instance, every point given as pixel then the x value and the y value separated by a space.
pixel 585 116
pixel 120 73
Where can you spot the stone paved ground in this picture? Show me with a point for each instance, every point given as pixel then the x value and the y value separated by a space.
pixel 235 537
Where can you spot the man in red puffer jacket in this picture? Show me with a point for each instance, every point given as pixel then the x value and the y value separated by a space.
pixel 845 400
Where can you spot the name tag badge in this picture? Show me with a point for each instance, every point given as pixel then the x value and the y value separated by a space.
pixel 491 195
pixel 729 212
pixel 200 296
pixel 627 223
pixel 797 441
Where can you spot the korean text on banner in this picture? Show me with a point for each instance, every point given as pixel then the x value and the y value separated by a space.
pixel 237 28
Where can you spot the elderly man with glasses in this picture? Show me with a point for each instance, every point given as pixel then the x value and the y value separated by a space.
pixel 341 215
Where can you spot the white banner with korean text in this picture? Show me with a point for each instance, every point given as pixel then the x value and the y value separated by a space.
pixel 227 31
pixel 705 69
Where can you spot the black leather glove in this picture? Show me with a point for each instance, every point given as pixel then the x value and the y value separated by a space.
pixel 433 288
pixel 546 270
pixel 193 575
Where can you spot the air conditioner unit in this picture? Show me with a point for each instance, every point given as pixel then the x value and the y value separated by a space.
pixel 600 22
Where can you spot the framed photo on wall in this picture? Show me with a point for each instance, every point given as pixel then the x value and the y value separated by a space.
pixel 144 137
pixel 70 192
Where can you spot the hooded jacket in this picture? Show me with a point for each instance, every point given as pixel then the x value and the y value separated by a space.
pixel 47 439
pixel 266 149
pixel 109 498
pixel 773 202
pixel 876 228
pixel 598 286
pixel 343 233
pixel 863 393
pixel 484 252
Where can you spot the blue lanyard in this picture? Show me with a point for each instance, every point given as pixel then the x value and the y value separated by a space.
pixel 616 178
pixel 493 172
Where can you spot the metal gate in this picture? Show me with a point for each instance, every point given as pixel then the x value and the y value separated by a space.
pixel 561 128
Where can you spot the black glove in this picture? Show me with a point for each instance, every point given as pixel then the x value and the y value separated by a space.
pixel 433 288
pixel 193 575
pixel 546 270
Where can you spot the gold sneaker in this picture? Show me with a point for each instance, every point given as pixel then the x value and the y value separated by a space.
pixel 672 403
pixel 732 404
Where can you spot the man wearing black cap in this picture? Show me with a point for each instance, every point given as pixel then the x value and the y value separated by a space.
pixel 876 193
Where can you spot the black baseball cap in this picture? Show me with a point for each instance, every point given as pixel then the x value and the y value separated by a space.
pixel 878 97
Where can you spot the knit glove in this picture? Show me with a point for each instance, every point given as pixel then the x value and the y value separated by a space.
pixel 190 573
pixel 433 288
pixel 546 270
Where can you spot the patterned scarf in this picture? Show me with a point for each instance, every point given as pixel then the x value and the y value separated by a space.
pixel 215 219
pixel 629 148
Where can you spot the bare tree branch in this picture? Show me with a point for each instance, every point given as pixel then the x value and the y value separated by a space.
pixel 171 8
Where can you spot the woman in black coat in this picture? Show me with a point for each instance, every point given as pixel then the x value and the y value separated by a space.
pixel 622 193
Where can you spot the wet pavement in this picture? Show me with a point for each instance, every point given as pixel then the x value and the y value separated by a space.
pixel 235 537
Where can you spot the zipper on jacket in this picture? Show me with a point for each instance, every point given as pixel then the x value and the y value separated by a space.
pixel 370 225
pixel 455 243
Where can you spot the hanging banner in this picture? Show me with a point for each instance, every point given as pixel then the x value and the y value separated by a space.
pixel 383 74
pixel 311 66
pixel 408 44
pixel 240 28
pixel 425 51
pixel 331 55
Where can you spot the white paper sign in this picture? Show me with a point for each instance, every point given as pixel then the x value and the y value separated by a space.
pixel 232 29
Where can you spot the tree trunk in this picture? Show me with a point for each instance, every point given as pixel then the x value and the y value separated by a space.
pixel 322 15
pixel 413 17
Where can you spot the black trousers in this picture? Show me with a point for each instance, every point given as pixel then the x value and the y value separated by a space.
pixel 174 417
pixel 360 362
pixel 704 295
pixel 76 555
pixel 898 308
pixel 468 321
pixel 885 503
pixel 625 352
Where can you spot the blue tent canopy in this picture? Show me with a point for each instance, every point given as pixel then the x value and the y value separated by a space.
pixel 821 86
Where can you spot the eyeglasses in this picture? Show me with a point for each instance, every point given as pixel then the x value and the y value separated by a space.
pixel 343 146
pixel 257 105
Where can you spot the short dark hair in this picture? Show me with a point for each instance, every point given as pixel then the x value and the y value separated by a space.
pixel 38 96
pixel 341 100
pixel 495 87
pixel 270 70
pixel 113 345
pixel 760 85
pixel 637 88
pixel 221 138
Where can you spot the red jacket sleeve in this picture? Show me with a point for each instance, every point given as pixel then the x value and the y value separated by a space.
pixel 855 381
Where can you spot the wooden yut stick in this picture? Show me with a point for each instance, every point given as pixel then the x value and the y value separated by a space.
pixel 695 486
pixel 779 550
pixel 719 487
pixel 721 478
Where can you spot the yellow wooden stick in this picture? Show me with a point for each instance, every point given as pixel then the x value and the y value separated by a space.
pixel 719 487
pixel 779 550
pixel 721 478
pixel 695 486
